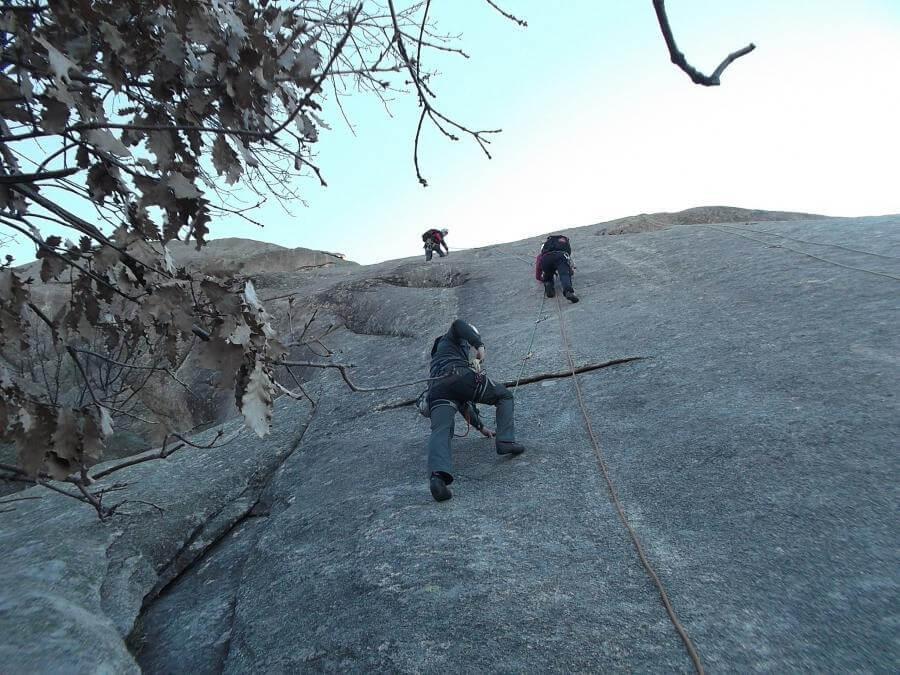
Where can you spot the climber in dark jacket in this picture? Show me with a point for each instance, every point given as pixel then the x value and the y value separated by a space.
pixel 459 389
pixel 434 239
pixel 554 259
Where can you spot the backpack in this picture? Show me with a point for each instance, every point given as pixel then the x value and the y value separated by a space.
pixel 431 235
pixel 556 242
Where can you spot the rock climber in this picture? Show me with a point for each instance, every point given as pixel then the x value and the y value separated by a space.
pixel 434 239
pixel 456 358
pixel 554 259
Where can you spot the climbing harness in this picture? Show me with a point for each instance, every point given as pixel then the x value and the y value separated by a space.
pixel 689 645
pixel 424 408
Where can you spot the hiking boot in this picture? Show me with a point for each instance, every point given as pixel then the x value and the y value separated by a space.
pixel 509 448
pixel 570 295
pixel 439 489
pixel 549 289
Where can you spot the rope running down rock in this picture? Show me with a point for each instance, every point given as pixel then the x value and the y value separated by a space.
pixel 531 343
pixel 689 645
pixel 808 255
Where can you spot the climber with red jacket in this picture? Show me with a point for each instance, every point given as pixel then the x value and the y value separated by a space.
pixel 434 239
pixel 555 259
pixel 454 359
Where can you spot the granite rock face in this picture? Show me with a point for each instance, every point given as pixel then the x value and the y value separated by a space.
pixel 753 448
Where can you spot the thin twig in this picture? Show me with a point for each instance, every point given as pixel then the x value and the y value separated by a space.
pixel 307 99
pixel 342 368
pixel 115 507
pixel 679 59
pixel 19 499
pixel 167 371
pixel 163 453
pixel 16 178
pixel 509 16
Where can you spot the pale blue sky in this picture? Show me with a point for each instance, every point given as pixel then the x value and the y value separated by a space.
pixel 599 124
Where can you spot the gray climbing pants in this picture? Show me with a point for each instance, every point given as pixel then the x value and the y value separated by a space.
pixel 447 397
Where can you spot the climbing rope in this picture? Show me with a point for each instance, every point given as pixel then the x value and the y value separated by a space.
pixel 812 243
pixel 692 651
pixel 810 255
pixel 468 427
pixel 530 343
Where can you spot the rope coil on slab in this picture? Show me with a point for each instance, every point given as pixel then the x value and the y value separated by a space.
pixel 682 633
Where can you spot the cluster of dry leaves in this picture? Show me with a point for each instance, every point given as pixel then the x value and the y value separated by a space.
pixel 126 125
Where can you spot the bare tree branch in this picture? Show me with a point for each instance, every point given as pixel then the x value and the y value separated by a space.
pixel 13 179
pixel 343 369
pixel 509 16
pixel 679 59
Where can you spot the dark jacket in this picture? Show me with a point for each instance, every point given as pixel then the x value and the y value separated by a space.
pixel 451 352
pixel 452 349
pixel 435 238
pixel 557 242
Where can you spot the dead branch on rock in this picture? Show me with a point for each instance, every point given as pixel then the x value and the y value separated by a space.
pixel 20 477
pixel 17 471
pixel 300 387
pixel 165 452
pixel 534 378
pixel 343 368
pixel 581 369
pixel 679 59
pixel 162 453
pixel 287 392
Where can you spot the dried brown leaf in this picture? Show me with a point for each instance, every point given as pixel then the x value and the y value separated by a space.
pixel 256 401
pixel 222 358
pixel 51 267
pixel 173 49
pixel 225 159
pixel 54 116
pixel 66 439
pixel 182 187
pixel 103 139
pixel 160 143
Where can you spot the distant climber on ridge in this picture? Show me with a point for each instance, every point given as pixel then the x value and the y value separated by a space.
pixel 554 259
pixel 434 239
pixel 461 387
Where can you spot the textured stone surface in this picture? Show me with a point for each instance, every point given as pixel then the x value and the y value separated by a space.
pixel 72 586
pixel 754 452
